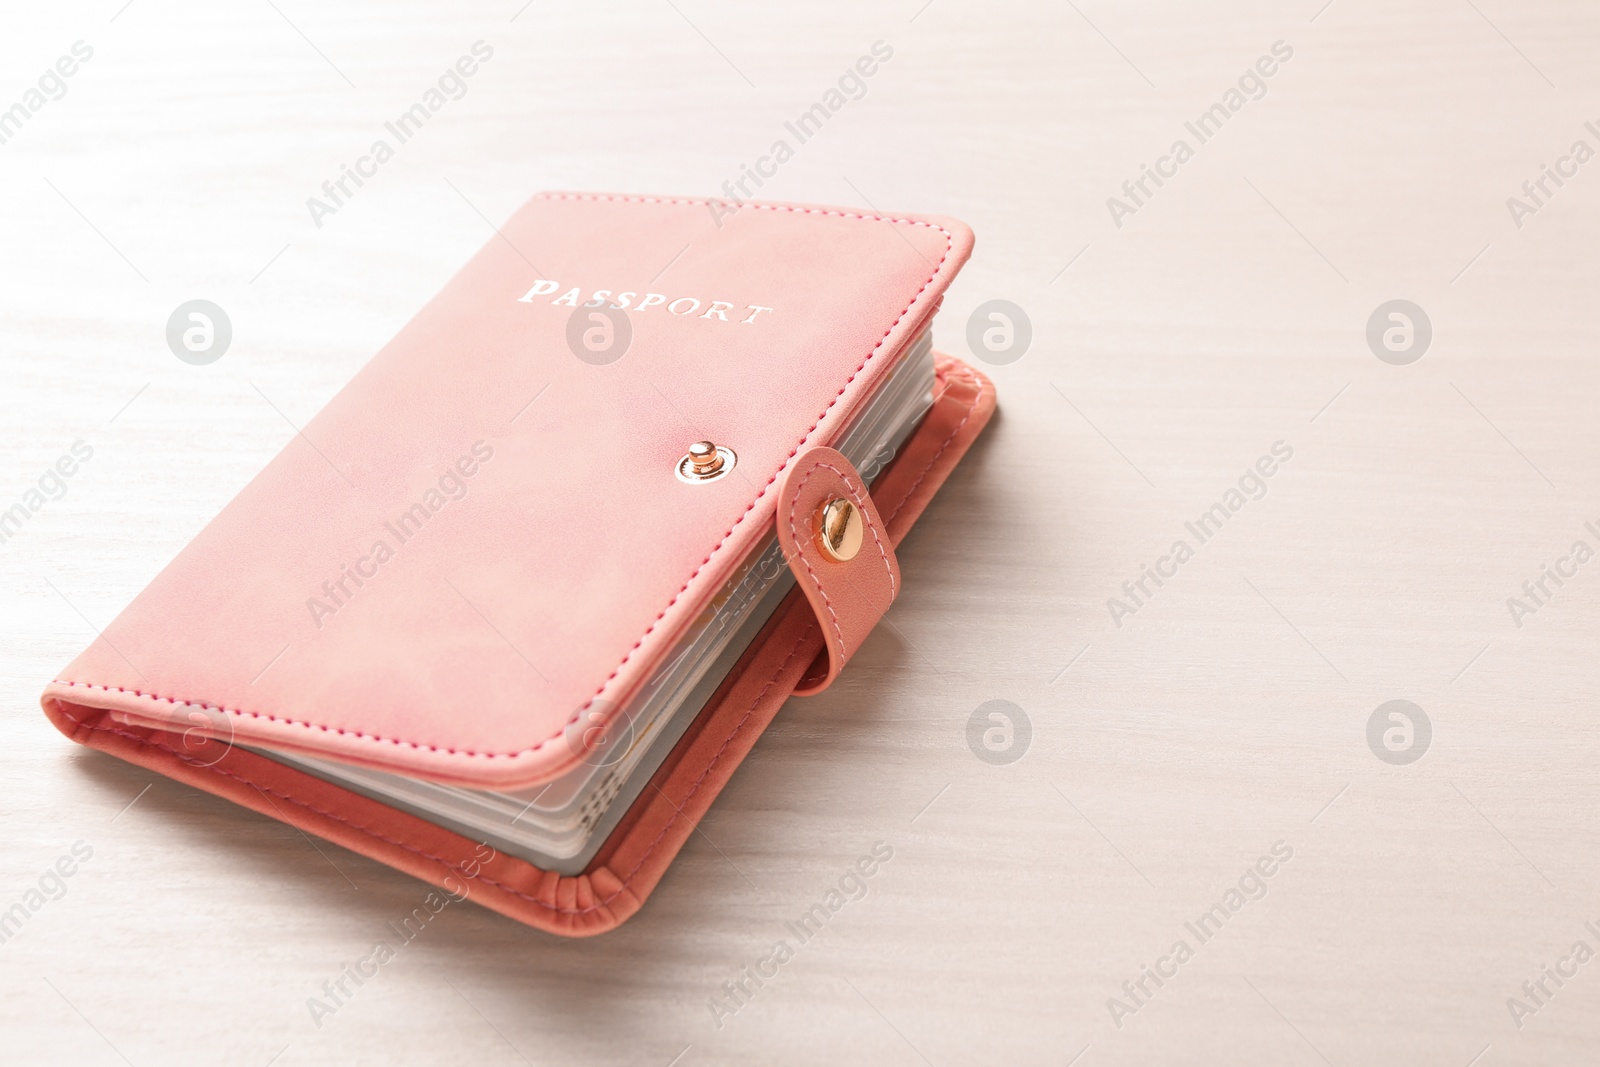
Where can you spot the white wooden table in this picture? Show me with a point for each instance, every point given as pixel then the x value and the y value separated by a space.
pixel 1174 741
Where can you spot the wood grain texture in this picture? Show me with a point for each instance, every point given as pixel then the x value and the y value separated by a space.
pixel 1171 746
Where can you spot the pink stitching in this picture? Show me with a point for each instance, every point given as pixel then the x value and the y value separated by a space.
pixel 794 503
pixel 971 378
pixel 857 494
pixel 850 488
pixel 627 656
pixel 626 880
pixel 966 374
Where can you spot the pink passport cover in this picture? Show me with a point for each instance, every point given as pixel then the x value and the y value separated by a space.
pixel 551 557
pixel 477 651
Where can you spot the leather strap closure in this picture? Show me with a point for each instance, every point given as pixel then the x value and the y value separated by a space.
pixel 849 596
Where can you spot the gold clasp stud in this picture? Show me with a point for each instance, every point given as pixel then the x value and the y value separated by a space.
pixel 705 462
pixel 841 530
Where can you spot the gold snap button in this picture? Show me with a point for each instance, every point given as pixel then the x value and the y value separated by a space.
pixel 703 457
pixel 705 462
pixel 842 530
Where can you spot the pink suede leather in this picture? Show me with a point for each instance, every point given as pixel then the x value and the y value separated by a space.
pixel 541 556
pixel 638 853
pixel 850 596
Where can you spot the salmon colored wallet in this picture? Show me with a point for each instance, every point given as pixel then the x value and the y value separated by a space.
pixel 521 450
